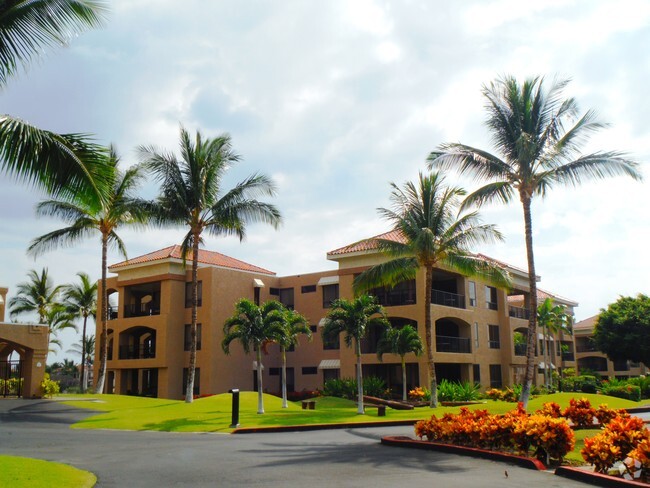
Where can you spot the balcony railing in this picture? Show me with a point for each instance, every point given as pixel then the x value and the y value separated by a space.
pixel 112 313
pixel 568 356
pixel 520 349
pixel 452 344
pixel 447 299
pixel 585 347
pixel 144 351
pixel 144 309
pixel 519 312
pixel 492 305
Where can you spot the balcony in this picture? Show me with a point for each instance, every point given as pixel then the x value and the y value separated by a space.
pixel 143 309
pixel 585 347
pixel 112 313
pixel 453 344
pixel 520 349
pixel 519 313
pixel 143 351
pixel 439 297
pixel 568 356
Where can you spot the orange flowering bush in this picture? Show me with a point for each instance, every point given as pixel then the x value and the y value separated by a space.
pixel 550 409
pixel 417 393
pixel 493 394
pixel 641 453
pixel 580 412
pixel 605 415
pixel 549 438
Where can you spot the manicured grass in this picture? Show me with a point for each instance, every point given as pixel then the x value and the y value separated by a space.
pixel 21 472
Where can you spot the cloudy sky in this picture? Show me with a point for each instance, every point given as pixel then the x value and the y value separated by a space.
pixel 335 100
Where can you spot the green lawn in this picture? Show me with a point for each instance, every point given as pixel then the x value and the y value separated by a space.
pixel 21 472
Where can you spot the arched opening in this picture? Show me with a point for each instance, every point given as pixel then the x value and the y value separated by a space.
pixel 453 335
pixel 520 340
pixel 113 303
pixel 592 363
pixel 138 343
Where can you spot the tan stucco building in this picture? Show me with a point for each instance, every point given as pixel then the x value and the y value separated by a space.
pixel 475 325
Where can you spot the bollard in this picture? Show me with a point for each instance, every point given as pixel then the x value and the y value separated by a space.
pixel 235 408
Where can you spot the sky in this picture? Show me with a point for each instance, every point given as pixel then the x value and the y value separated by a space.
pixel 334 100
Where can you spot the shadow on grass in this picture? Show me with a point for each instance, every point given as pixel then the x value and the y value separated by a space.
pixel 186 425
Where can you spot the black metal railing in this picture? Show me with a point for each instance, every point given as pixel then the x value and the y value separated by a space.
pixel 394 298
pixel 492 305
pixel 144 351
pixel 143 309
pixel 453 344
pixel 585 347
pixel 439 297
pixel 518 312
pixel 11 381
pixel 112 313
pixel 520 349
pixel 494 344
pixel 568 356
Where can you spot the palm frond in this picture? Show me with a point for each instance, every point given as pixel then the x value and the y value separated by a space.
pixel 386 274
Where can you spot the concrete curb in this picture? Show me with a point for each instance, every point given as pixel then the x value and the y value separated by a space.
pixel 402 441
pixel 308 427
pixel 596 479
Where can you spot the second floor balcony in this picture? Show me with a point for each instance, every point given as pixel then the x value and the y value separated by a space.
pixel 439 297
pixel 141 351
pixel 520 349
pixel 453 344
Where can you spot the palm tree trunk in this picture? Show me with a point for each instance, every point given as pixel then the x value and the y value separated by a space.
pixel 189 390
pixel 403 379
pixel 82 382
pixel 103 353
pixel 428 329
pixel 284 379
pixel 532 302
pixel 360 409
pixel 260 391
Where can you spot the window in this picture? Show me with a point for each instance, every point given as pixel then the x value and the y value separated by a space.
pixel 188 294
pixel 472 294
pixel 188 337
pixel 401 294
pixel 310 370
pixel 313 328
pixel 477 373
pixel 491 297
pixel 286 297
pixel 330 293
pixel 308 289
pixel 495 376
pixel 197 380
pixel 256 295
pixel 494 341
pixel 274 291
pixel 274 371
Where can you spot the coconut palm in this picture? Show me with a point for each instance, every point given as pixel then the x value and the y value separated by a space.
pixel 81 301
pixel 354 318
pixel 68 163
pixel 253 327
pixel 401 341
pixel 193 195
pixel 432 233
pixel 38 295
pixel 58 318
pixel 88 215
pixel 292 326
pixel 533 130
pixel 553 319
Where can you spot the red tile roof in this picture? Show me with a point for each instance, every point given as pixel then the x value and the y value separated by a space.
pixel 210 258
pixel 586 324
pixel 368 244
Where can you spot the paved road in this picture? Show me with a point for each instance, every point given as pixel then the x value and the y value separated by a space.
pixel 340 458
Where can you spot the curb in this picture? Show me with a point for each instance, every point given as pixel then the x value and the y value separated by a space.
pixel 304 428
pixel 402 441
pixel 596 479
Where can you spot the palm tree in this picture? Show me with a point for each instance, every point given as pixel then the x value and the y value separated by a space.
pixel 87 215
pixel 59 163
pixel 292 325
pixel 354 317
pixel 254 326
pixel 84 347
pixel 58 318
pixel 81 301
pixel 38 295
pixel 534 132
pixel 401 341
pixel 433 233
pixel 192 195
pixel 553 319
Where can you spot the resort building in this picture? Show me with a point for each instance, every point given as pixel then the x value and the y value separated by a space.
pixel 478 328
pixel 590 359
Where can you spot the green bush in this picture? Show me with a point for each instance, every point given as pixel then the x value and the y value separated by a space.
pixel 347 387
pixel 582 383
pixel 455 391
pixel 374 386
pixel 49 387
pixel 12 385
pixel 642 382
pixel 629 392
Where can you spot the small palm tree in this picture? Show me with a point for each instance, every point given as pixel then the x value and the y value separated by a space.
pixel 292 326
pixel 553 319
pixel 253 327
pixel 38 295
pixel 192 195
pixel 58 318
pixel 81 301
pixel 88 215
pixel 87 348
pixel 401 341
pixel 433 233
pixel 354 318
pixel 533 130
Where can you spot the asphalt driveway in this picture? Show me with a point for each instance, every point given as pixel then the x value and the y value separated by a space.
pixel 341 458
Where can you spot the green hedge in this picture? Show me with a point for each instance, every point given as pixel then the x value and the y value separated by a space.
pixel 629 392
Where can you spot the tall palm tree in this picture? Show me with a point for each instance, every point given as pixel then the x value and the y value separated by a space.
pixel 401 341
pixel 253 326
pixel 292 326
pixel 58 318
pixel 553 319
pixel 193 195
pixel 67 163
pixel 354 318
pixel 38 295
pixel 533 130
pixel 81 301
pixel 433 233
pixel 88 215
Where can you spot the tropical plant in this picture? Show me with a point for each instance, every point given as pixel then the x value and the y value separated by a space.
pixel 58 318
pixel 292 326
pixel 533 131
pixel 553 319
pixel 49 387
pixel 400 341
pixel 68 163
pixel 253 327
pixel 192 195
pixel 431 234
pixel 81 301
pixel 354 317
pixel 38 295
pixel 85 349
pixel 88 215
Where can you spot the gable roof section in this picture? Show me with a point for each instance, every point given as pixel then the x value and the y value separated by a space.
pixel 369 244
pixel 208 258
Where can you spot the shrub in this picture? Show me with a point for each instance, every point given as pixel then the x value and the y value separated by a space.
pixel 643 382
pixel 605 415
pixel 642 454
pixel 549 438
pixel 550 409
pixel 580 412
pixel 420 394
pixel 620 437
pixel 373 386
pixel 296 396
pixel 341 388
pixel 49 387
pixel 455 391
pixel 629 391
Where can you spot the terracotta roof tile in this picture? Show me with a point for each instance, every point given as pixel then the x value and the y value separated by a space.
pixel 368 244
pixel 210 258
pixel 586 324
